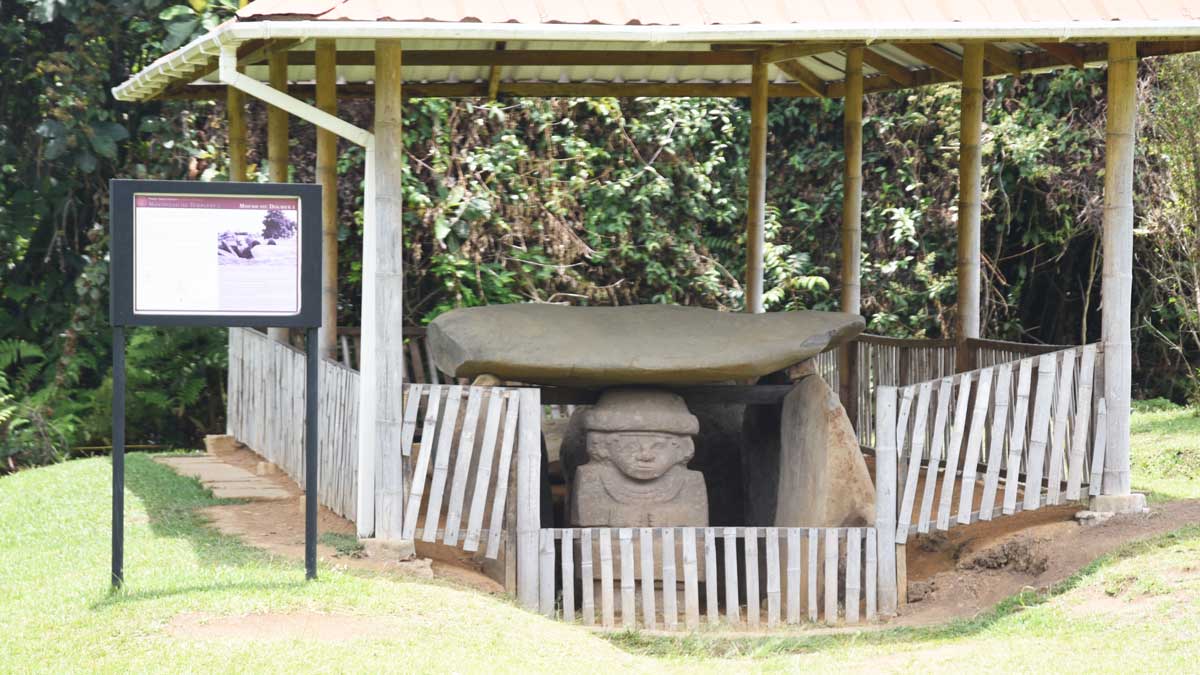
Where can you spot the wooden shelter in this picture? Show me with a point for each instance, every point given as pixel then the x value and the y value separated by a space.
pixel 288 52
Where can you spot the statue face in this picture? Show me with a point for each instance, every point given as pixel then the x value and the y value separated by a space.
pixel 640 455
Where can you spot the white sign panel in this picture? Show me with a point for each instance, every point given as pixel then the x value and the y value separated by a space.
pixel 216 254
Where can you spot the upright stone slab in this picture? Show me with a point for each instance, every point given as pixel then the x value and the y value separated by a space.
pixel 823 478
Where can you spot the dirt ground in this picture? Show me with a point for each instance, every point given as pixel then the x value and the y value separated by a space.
pixel 277 526
pixel 951 575
pixel 967 570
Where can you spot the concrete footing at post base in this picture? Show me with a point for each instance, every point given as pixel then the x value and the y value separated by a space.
pixel 397 550
pixel 1134 502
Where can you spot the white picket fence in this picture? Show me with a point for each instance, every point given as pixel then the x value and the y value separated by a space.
pixel 460 439
pixel 265 410
pixel 1031 431
pixel 737 576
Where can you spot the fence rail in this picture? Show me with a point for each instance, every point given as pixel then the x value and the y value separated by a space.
pixel 266 407
pixel 742 576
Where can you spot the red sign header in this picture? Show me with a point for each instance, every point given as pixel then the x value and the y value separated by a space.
pixel 215 202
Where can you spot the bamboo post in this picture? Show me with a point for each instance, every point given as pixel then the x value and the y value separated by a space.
pixel 852 226
pixel 383 307
pixel 326 67
pixel 969 176
pixel 757 189
pixel 1117 284
pixel 277 142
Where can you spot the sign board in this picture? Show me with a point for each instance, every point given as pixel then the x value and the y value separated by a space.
pixel 215 254
pixel 184 253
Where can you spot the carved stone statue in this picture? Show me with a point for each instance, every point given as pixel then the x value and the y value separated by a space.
pixel 638 445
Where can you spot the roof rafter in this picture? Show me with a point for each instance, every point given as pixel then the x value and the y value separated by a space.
pixel 1068 54
pixel 898 72
pixel 805 77
pixel 1002 59
pixel 935 57
pixel 798 50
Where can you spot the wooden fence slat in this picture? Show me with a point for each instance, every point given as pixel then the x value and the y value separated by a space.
pixel 670 585
pixel 412 405
pixel 1062 416
pixel 441 463
pixel 606 578
pixel 691 584
pixel 733 610
pixel 1083 418
pixel 983 393
pixel 908 498
pixel 750 546
pixel 417 484
pixel 773 582
pixel 1039 434
pixel 628 596
pixel 812 575
pixel 502 475
pixel 885 499
pixel 853 573
pixel 1016 444
pixel 568 575
pixel 831 576
pixel 528 489
pixel 546 577
pixel 646 549
pixel 870 572
pixel 483 471
pixel 1098 450
pixel 793 575
pixel 935 453
pixel 587 584
pixel 710 576
pixel 996 449
pixel 953 450
pixel 462 465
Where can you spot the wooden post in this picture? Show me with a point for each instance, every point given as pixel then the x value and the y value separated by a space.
pixel 851 226
pixel 383 307
pixel 277 143
pixel 969 176
pixel 1117 285
pixel 885 497
pixel 755 238
pixel 529 505
pixel 326 67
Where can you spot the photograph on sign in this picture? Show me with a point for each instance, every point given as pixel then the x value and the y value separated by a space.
pixel 216 254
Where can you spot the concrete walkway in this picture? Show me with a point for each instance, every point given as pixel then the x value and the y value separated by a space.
pixel 225 480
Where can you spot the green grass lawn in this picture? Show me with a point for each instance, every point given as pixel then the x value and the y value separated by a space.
pixel 1134 611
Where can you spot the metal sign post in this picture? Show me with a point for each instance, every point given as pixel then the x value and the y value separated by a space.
pixel 220 255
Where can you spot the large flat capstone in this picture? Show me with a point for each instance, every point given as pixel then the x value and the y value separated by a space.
pixel 641 344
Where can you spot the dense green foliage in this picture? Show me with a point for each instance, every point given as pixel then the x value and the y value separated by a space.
pixel 596 201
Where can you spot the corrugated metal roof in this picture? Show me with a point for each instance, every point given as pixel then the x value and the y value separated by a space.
pixel 723 12
pixel 1019 27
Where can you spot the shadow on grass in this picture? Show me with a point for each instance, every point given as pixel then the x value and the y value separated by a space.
pixel 704 646
pixel 172 503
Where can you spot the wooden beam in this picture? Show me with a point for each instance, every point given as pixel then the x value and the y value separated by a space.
pixel 898 73
pixel 326 100
pixel 494 74
pixel 1116 289
pixel 277 146
pixel 542 57
pixel 383 292
pixel 851 235
pixel 757 192
pixel 1002 59
pixel 528 89
pixel 803 76
pixel 935 57
pixel 790 52
pixel 970 165
pixel 1068 54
